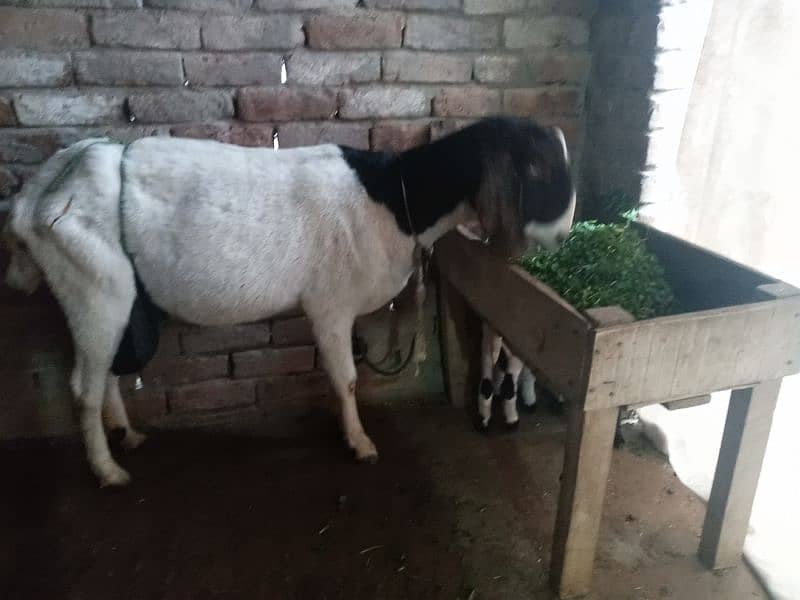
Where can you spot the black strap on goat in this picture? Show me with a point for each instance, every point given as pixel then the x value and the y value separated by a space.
pixel 418 347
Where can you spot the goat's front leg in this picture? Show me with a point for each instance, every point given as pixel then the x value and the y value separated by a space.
pixel 116 417
pixel 491 343
pixel 335 346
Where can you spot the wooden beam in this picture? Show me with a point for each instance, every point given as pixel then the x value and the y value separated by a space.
pixel 539 326
pixel 744 442
pixel 459 335
pixel 587 459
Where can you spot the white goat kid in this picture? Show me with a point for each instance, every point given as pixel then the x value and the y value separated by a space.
pixel 215 234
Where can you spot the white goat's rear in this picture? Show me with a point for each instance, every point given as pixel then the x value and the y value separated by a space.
pixel 219 234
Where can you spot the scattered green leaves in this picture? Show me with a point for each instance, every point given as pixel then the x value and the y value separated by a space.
pixel 605 265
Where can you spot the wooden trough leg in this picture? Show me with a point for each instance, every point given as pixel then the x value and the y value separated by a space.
pixel 460 342
pixel 741 453
pixel 587 459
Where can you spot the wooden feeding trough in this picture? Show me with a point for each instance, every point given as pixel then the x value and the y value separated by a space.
pixel 740 330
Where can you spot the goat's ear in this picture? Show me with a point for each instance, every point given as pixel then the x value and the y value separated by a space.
pixel 498 204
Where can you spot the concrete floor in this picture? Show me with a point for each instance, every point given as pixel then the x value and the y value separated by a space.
pixel 446 513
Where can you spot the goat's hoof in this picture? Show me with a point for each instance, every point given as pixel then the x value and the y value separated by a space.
pixel 133 439
pixel 115 476
pixel 482 425
pixel 364 449
pixel 513 426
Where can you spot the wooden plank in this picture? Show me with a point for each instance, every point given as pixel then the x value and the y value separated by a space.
pixel 744 442
pixel 587 459
pixel 609 315
pixel 459 335
pixel 688 402
pixel 539 326
pixel 700 278
pixel 705 352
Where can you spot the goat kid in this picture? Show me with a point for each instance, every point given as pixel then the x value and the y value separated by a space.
pixel 215 234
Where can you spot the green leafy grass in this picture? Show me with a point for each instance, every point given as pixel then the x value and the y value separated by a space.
pixel 605 265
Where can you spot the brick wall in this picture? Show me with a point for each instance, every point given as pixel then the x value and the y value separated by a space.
pixel 382 74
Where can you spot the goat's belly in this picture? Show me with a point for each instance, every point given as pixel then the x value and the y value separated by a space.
pixel 219 286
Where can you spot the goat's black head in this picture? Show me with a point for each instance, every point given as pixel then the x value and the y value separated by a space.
pixel 526 196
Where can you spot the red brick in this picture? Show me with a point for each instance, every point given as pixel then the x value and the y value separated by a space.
pixel 28 146
pixel 286 104
pixel 254 135
pixel 253 33
pixel 466 102
pixel 415 4
pixel 273 361
pixel 355 135
pixel 210 395
pixel 25 28
pixel 252 68
pixel 557 67
pixel 493 7
pixel 304 4
pixel 371 102
pixel 548 31
pixel 128 67
pixel 223 6
pixel 68 108
pixel 180 106
pixel 438 32
pixel 7 116
pixel 396 136
pixel 333 68
pixel 162 372
pixel 356 29
pixel 142 29
pixel 144 405
pixel 426 66
pixel 497 68
pixel 537 102
pixel 27 68
pixel 224 339
pixel 295 331
pixel 273 393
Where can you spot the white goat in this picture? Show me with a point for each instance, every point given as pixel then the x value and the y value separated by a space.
pixel 216 234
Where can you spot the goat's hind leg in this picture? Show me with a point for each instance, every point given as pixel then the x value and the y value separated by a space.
pixel 491 344
pixel 116 417
pixel 93 376
pixel 508 389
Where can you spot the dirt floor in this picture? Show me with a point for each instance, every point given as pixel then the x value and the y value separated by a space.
pixel 446 513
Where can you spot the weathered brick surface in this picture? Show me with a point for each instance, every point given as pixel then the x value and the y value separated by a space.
pixel 545 31
pixel 535 102
pixel 224 339
pixel 557 67
pixel 333 68
pixel 180 106
pixel 469 101
pixel 252 32
pixel 443 127
pixel 144 406
pixel 435 32
pixel 252 68
pixel 498 68
pixel 274 392
pixel 286 104
pixel 26 68
pixel 396 136
pixel 493 7
pixel 295 331
pixel 426 67
pixel 273 361
pixel 307 133
pixel 7 116
pixel 578 8
pixel 384 102
pixel 73 108
pixel 211 395
pixel 252 134
pixel 184 369
pixel 304 4
pixel 23 28
pixel 28 146
pixel 161 30
pixel 75 3
pixel 415 4
pixel 128 67
pixel 223 6
pixel 356 29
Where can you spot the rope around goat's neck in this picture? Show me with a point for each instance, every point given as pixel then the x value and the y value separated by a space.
pixel 420 344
